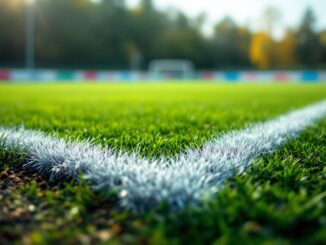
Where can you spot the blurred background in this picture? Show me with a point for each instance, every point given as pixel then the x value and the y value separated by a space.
pixel 138 35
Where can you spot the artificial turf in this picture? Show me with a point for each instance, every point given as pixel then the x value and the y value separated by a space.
pixel 281 199
pixel 156 119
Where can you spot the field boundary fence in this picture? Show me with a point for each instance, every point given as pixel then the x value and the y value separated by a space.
pixel 43 75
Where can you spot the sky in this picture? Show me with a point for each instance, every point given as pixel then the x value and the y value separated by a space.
pixel 246 12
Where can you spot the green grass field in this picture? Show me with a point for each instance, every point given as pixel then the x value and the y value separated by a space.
pixel 281 199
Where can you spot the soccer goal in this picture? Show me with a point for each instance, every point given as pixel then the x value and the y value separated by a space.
pixel 171 69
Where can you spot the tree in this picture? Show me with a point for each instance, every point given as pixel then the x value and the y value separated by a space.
pixel 12 32
pixel 108 35
pixel 262 50
pixel 147 5
pixel 286 50
pixel 183 40
pixel 231 44
pixel 322 40
pixel 308 46
pixel 64 33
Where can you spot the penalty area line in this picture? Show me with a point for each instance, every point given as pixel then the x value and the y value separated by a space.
pixel 144 183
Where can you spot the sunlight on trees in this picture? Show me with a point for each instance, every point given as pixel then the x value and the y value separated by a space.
pixel 262 50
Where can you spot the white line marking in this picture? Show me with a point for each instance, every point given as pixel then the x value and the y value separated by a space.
pixel 144 183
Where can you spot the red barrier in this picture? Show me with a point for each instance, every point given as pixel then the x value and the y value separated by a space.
pixel 90 75
pixel 207 75
pixel 282 77
pixel 4 75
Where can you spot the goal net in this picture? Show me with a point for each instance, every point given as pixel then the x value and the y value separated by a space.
pixel 171 69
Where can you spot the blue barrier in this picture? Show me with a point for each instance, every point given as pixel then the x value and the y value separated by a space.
pixel 232 76
pixel 310 76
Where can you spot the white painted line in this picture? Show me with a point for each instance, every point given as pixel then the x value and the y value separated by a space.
pixel 144 183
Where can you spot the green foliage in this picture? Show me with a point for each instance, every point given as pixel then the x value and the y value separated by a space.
pixel 232 44
pixel 109 35
pixel 308 45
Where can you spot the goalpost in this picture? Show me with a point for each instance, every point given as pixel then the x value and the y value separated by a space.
pixel 171 69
